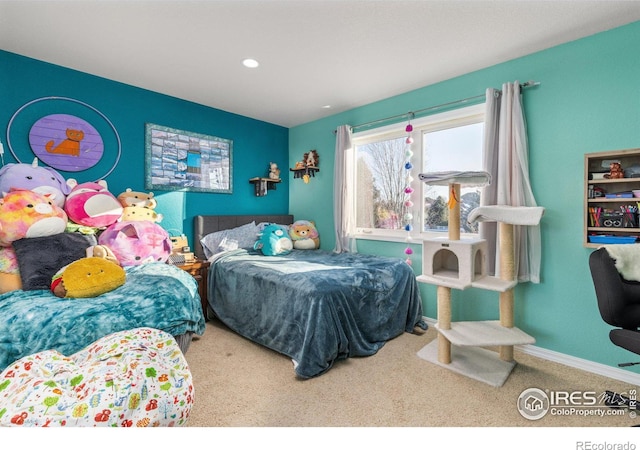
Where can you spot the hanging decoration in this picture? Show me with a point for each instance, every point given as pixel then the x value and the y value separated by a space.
pixel 408 191
pixel 65 141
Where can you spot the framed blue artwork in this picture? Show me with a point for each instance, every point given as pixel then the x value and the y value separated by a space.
pixel 183 160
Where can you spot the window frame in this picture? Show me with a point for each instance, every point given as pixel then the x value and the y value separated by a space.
pixel 435 122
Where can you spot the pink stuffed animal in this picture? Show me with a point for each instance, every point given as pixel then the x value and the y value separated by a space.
pixel 27 214
pixel 137 242
pixel 92 205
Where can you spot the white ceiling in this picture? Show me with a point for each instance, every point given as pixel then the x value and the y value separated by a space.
pixel 313 53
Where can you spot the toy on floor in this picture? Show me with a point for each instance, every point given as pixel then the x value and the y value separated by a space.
pixel 131 378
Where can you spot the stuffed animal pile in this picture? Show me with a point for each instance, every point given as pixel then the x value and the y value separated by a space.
pixel 36 202
pixel 278 239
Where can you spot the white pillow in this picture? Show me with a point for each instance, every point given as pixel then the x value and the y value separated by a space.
pixel 241 237
pixel 262 225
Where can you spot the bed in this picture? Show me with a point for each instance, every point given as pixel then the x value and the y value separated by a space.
pixel 154 295
pixel 314 306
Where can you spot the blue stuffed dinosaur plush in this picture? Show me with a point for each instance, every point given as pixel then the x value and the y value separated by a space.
pixel 274 240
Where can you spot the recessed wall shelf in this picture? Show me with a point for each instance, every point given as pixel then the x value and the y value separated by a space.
pixel 262 185
pixel 610 207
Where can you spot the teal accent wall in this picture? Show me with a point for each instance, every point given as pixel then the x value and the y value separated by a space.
pixel 588 101
pixel 255 143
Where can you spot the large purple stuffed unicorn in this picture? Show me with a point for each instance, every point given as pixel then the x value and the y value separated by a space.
pixel 42 180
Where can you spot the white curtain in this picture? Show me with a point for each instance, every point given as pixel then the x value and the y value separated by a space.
pixel 506 158
pixel 341 194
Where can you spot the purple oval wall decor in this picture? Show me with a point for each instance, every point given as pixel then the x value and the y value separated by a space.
pixel 66 142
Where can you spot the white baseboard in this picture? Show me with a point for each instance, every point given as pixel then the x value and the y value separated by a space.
pixel 572 361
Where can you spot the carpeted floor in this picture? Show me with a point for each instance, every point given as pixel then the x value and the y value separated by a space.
pixel 241 384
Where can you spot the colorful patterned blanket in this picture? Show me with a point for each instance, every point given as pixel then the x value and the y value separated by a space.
pixel 134 378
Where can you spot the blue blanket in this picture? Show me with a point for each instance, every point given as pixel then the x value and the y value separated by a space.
pixel 315 307
pixel 154 295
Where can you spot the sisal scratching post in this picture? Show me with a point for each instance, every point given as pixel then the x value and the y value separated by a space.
pixel 444 323
pixel 444 293
pixel 507 273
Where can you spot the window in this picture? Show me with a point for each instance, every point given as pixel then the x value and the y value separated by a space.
pixel 441 142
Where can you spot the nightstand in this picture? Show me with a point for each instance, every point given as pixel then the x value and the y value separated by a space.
pixel 199 270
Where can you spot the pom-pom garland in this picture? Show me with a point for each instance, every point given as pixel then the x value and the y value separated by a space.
pixel 408 190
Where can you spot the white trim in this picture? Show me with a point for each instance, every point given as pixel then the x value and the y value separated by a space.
pixel 458 117
pixel 571 361
pixel 582 364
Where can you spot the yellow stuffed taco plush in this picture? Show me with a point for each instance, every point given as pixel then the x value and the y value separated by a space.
pixel 87 277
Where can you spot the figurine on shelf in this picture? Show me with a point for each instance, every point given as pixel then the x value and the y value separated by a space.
pixel 274 172
pixel 615 171
pixel 306 168
pixel 311 159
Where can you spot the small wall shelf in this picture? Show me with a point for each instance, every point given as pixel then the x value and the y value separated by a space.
pixel 262 185
pixel 310 171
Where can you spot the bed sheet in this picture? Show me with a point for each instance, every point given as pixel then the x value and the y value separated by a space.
pixel 316 307
pixel 155 295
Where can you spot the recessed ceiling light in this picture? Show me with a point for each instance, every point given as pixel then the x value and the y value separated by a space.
pixel 326 107
pixel 250 63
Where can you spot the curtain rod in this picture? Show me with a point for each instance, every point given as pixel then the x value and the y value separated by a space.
pixel 412 114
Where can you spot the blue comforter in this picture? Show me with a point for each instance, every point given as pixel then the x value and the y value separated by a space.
pixel 154 295
pixel 314 306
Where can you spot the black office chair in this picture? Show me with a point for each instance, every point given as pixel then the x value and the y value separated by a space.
pixel 619 305
pixel 618 302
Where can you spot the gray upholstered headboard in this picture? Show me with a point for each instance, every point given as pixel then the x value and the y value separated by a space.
pixel 203 225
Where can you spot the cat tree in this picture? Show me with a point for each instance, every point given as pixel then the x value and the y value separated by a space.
pixel 456 263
